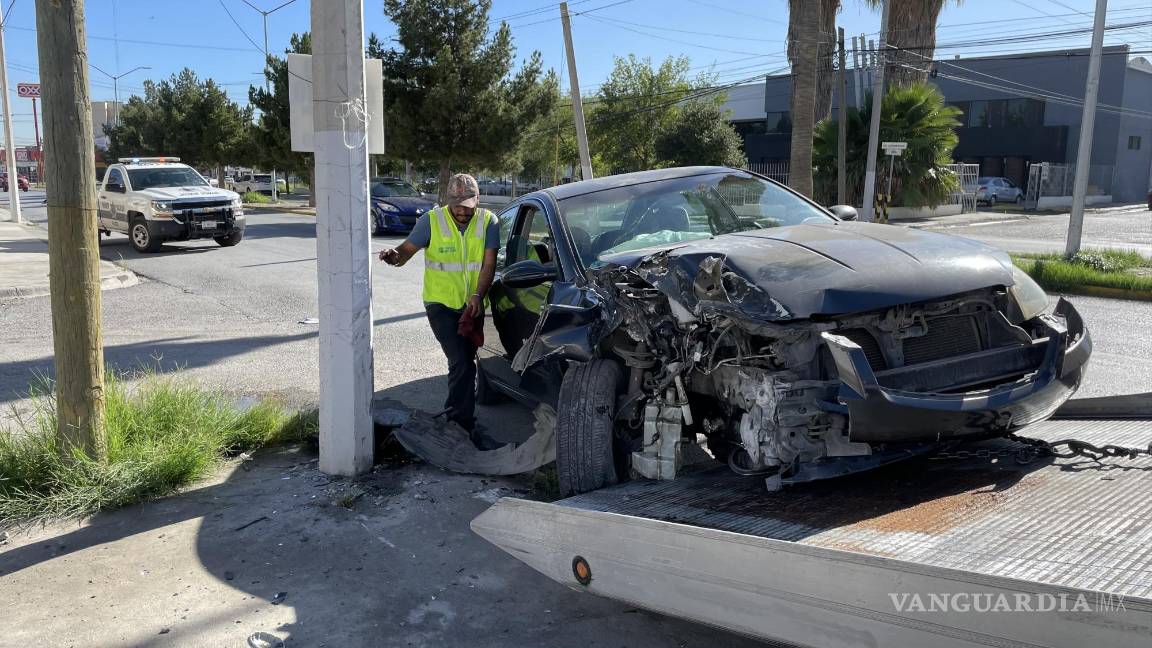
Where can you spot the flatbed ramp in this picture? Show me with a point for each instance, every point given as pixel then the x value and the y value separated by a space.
pixel 976 551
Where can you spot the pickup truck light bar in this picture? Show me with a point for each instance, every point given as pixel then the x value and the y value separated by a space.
pixel 160 160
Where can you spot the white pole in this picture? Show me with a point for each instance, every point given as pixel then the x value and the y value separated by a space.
pixel 9 146
pixel 343 257
pixel 577 101
pixel 1087 125
pixel 874 127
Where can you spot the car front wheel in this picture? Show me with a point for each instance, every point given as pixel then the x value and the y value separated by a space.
pixel 585 424
pixel 142 239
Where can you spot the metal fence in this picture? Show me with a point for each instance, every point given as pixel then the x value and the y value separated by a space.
pixel 1055 181
pixel 778 170
pixel 965 195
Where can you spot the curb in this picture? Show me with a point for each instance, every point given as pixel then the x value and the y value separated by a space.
pixel 122 279
pixel 1109 293
pixel 266 208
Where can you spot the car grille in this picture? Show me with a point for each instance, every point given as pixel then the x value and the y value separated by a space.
pixel 869 345
pixel 200 204
pixel 947 337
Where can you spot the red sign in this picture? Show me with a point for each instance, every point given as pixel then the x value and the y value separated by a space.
pixel 21 155
pixel 28 90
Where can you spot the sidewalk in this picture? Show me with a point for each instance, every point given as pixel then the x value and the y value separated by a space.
pixel 24 263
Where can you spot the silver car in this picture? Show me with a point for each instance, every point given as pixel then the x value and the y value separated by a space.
pixel 992 190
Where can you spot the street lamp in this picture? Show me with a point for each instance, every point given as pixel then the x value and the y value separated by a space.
pixel 267 84
pixel 116 85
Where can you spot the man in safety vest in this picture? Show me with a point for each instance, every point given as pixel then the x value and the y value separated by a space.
pixel 460 243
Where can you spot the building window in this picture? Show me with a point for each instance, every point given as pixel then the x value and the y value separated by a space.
pixel 779 122
pixel 1133 142
pixel 1002 113
pixel 746 128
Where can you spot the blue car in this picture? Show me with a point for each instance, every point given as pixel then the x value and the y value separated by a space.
pixel 396 206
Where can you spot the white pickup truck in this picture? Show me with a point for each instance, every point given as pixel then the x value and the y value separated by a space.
pixel 153 200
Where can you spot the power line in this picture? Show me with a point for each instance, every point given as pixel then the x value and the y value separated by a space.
pixel 234 22
pixel 573 13
pixel 740 13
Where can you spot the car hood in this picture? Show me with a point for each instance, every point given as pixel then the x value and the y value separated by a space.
pixel 406 203
pixel 181 193
pixel 800 271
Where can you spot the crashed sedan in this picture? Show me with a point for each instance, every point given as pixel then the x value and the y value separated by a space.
pixel 654 309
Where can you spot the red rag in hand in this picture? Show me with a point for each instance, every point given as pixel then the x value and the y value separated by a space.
pixel 472 328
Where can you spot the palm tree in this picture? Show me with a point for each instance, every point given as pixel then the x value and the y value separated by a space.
pixel 803 34
pixel 914 113
pixel 911 39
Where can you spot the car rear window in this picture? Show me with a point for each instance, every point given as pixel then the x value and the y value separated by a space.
pixel 262 178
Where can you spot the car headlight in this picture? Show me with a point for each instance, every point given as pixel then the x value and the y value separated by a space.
pixel 1030 297
pixel 237 203
pixel 385 207
pixel 162 205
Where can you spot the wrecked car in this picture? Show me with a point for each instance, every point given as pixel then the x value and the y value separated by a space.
pixel 659 308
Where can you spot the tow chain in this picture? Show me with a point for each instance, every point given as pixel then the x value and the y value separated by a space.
pixel 1036 448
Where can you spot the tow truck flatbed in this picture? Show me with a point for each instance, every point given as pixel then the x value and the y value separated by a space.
pixel 924 553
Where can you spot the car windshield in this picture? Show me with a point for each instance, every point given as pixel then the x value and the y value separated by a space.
pixel 680 209
pixel 148 178
pixel 390 189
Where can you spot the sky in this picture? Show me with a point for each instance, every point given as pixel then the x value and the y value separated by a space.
pixel 733 39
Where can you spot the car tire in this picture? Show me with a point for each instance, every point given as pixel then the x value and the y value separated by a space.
pixel 143 240
pixel 229 240
pixel 377 229
pixel 486 393
pixel 585 425
pixel 992 201
pixel 1019 199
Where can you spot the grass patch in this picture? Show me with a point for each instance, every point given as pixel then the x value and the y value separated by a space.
pixel 163 435
pixel 256 197
pixel 1101 268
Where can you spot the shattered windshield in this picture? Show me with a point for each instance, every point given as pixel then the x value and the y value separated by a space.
pixel 149 178
pixel 670 211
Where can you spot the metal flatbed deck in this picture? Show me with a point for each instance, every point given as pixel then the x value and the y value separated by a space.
pixel 837 563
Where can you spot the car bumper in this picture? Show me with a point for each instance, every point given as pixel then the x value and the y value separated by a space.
pixel 883 408
pixel 193 228
pixel 394 223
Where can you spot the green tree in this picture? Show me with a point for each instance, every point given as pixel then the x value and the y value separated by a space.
pixel 915 114
pixel 635 104
pixel 699 134
pixel 183 117
pixel 451 96
pixel 271 135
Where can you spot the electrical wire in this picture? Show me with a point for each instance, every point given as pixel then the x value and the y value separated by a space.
pixel 235 22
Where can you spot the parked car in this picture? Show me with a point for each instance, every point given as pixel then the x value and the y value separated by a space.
pixel 21 182
pixel 396 206
pixel 650 307
pixel 994 190
pixel 259 183
pixel 153 200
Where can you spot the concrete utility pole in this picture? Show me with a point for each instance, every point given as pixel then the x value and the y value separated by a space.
pixel 73 240
pixel 342 250
pixel 842 127
pixel 9 146
pixel 874 126
pixel 1087 125
pixel 856 72
pixel 577 101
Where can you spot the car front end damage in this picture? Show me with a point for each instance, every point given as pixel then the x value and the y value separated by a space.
pixel 795 395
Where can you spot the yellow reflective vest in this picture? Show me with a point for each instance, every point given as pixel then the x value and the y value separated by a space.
pixel 453 258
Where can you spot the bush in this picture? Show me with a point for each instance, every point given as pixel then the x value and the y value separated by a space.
pixel 256 197
pixel 166 434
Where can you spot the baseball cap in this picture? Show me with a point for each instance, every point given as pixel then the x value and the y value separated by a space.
pixel 463 191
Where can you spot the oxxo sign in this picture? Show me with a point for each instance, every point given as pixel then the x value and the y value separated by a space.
pixel 28 90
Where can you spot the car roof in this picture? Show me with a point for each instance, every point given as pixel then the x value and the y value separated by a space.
pixel 560 192
pixel 385 179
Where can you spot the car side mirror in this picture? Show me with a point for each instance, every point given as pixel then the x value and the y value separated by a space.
pixel 527 273
pixel 844 212
pixel 114 186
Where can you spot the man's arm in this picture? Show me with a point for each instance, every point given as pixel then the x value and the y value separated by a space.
pixel 475 306
pixel 399 255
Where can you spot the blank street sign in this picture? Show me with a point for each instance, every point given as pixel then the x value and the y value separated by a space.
pixel 300 103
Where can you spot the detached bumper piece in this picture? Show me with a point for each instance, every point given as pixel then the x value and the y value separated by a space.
pixel 986 393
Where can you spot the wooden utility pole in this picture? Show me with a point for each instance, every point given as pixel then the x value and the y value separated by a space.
pixel 73 240
pixel 577 101
pixel 842 127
